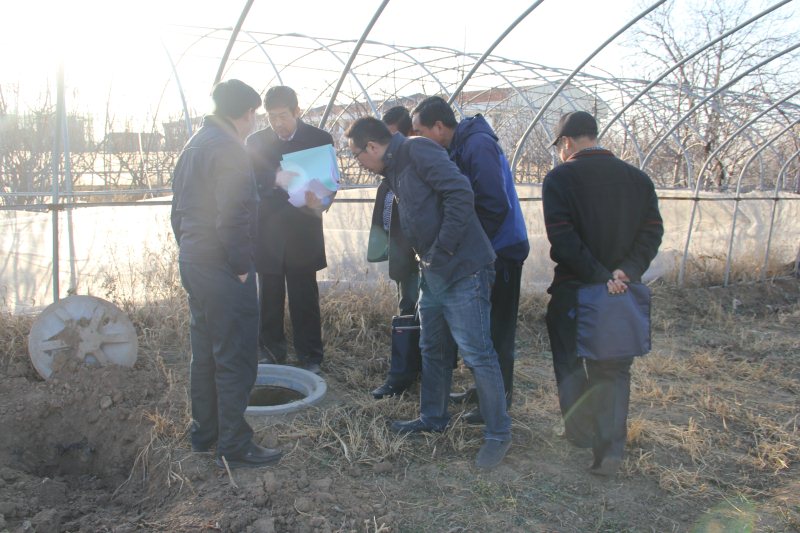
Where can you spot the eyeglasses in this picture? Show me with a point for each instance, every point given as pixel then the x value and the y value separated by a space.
pixel 356 154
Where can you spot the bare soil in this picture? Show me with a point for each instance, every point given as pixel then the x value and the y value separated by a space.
pixel 713 438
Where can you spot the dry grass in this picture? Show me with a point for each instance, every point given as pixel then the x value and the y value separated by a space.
pixel 714 410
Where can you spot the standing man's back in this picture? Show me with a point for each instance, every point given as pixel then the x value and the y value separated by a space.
pixel 214 209
pixel 604 226
pixel 291 245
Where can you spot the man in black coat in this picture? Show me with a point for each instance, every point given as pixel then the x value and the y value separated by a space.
pixel 291 246
pixel 603 223
pixel 214 209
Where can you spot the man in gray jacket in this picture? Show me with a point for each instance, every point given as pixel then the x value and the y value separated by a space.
pixel 456 261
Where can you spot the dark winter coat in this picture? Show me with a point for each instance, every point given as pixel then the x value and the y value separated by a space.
pixel 391 245
pixel 475 150
pixel 289 236
pixel 436 211
pixel 214 202
pixel 601 214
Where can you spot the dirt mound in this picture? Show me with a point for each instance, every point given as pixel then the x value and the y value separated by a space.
pixel 75 434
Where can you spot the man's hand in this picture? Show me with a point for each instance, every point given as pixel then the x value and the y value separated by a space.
pixel 312 201
pixel 617 283
pixel 283 178
pixel 243 277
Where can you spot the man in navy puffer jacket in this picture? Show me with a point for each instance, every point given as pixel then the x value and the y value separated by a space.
pixel 472 145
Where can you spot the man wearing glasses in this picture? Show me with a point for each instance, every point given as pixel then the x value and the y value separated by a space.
pixel 457 266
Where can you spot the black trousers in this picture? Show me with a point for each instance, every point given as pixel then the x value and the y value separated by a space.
pixel 594 397
pixel 304 313
pixel 503 317
pixel 224 339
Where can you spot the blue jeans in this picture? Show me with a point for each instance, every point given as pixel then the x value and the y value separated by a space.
pixel 460 313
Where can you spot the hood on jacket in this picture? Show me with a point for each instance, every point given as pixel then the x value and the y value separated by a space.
pixel 470 126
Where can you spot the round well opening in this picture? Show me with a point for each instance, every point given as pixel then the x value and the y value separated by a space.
pixel 281 389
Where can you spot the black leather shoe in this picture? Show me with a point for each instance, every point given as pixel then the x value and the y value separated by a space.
pixel 255 457
pixel 473 416
pixel 468 396
pixel 404 427
pixel 387 390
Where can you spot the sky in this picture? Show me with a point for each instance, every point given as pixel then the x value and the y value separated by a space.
pixel 113 51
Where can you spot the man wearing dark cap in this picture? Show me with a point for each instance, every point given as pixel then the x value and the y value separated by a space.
pixel 214 210
pixel 604 226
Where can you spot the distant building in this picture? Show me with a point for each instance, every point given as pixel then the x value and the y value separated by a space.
pixel 176 133
pixel 34 132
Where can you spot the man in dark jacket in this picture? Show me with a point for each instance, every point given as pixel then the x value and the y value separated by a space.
pixel 291 246
pixel 214 210
pixel 456 260
pixel 472 145
pixel 604 226
pixel 388 242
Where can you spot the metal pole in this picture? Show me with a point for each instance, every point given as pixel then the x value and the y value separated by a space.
pixel 352 58
pixel 738 191
pixel 784 168
pixel 68 187
pixel 56 160
pixel 490 50
pixel 186 118
pixel 232 40
pixel 521 142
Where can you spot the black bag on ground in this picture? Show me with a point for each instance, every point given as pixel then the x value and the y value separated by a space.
pixel 613 326
pixel 406 355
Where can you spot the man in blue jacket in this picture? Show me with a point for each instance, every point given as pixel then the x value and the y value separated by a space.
pixel 472 145
pixel 214 210
pixel 456 260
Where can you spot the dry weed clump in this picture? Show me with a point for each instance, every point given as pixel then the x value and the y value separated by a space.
pixel 14 330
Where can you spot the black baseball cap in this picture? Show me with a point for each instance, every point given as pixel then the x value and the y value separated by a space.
pixel 575 124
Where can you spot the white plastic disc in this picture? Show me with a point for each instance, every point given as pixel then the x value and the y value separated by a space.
pixel 88 329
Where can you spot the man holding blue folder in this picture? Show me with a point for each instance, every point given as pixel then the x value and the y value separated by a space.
pixel 291 246
pixel 604 227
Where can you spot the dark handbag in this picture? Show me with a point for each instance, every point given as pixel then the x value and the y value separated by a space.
pixel 406 354
pixel 613 326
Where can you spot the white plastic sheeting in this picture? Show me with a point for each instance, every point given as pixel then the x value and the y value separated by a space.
pixel 122 252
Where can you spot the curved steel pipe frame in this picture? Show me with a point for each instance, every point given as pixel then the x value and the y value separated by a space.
pixel 491 49
pixel 688 58
pixel 518 151
pixel 717 91
pixel 775 198
pixel 350 62
pixel 736 133
pixel 232 40
pixel 738 196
